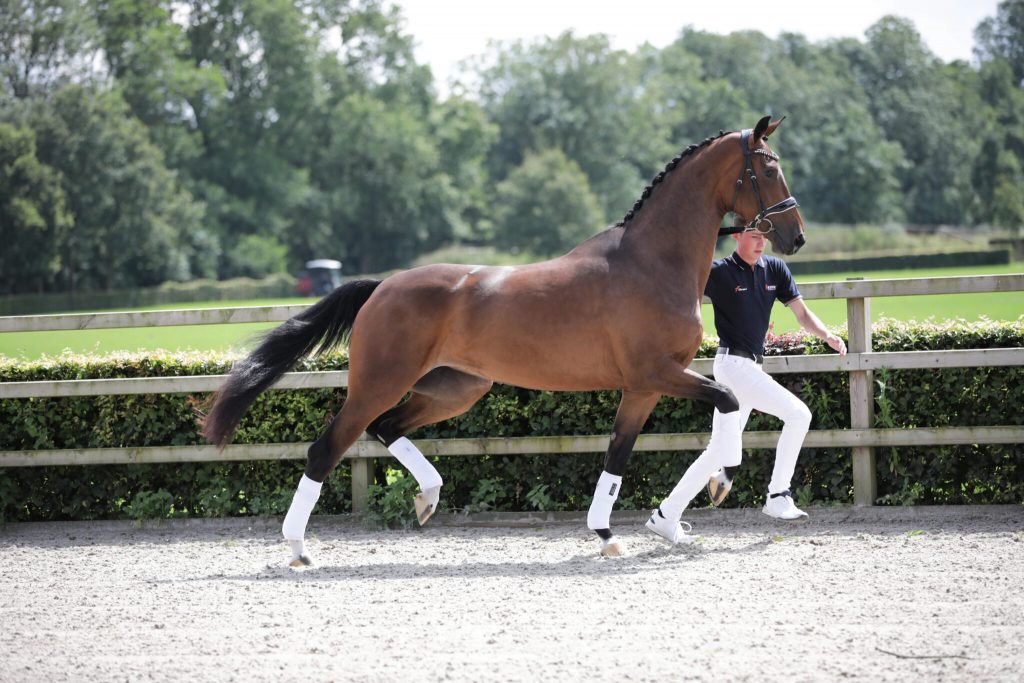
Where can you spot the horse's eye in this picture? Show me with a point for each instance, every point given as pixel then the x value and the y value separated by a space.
pixel 769 172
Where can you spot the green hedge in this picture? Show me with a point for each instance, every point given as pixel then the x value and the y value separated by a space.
pixel 237 289
pixel 956 474
pixel 945 259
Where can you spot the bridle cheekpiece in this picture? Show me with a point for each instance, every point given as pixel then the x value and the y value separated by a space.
pixel 761 218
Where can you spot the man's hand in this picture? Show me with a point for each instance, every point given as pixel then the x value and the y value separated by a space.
pixel 812 324
pixel 836 343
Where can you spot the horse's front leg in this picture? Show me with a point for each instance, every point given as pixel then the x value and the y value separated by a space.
pixel 634 408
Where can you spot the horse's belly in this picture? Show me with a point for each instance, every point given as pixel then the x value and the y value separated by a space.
pixel 541 377
pixel 539 362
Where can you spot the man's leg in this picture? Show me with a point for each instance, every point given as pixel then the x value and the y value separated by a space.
pixel 762 392
pixel 724 449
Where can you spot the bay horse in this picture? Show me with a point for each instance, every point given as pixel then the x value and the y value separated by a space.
pixel 619 311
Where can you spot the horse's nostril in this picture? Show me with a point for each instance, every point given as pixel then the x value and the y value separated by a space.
pixel 799 241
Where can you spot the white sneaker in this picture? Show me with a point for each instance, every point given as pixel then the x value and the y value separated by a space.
pixel 672 533
pixel 718 487
pixel 781 506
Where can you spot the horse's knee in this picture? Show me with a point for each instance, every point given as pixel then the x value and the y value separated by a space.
pixel 319 458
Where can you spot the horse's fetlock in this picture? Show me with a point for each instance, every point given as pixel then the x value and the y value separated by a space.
pixel 384 430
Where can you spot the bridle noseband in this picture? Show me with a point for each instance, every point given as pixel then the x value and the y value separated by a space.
pixel 748 169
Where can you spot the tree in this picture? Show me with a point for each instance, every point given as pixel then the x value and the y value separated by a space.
pixel 253 119
pixel 464 136
pixel 915 104
pixel 579 96
pixel 381 194
pixel 147 57
pixel 256 256
pixel 690 103
pixel 285 70
pixel 1002 37
pixel 43 43
pixel 743 66
pixel 545 206
pixel 998 172
pixel 33 218
pixel 132 221
pixel 836 157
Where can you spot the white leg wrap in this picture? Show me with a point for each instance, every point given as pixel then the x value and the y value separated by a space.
pixel 298 549
pixel 411 458
pixel 605 495
pixel 306 495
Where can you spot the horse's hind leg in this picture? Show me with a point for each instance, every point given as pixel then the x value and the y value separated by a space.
pixel 360 408
pixel 440 394
pixel 634 408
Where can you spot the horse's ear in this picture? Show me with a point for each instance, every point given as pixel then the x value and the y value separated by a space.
pixel 769 128
pixel 761 127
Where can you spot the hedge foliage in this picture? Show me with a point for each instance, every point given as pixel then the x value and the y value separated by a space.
pixel 908 398
pixel 866 262
pixel 235 289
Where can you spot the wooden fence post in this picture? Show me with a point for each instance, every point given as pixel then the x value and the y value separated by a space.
pixel 862 404
pixel 362 477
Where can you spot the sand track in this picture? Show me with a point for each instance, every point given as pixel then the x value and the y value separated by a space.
pixel 878 594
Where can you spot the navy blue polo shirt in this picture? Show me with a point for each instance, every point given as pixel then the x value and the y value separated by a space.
pixel 742 296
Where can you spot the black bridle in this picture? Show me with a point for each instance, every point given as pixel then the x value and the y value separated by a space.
pixel 748 170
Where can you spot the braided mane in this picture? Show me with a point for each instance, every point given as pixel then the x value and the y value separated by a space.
pixel 669 167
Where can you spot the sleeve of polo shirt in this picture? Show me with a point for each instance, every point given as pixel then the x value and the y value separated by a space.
pixel 786 291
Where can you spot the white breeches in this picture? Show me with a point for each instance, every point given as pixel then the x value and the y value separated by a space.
pixel 754 389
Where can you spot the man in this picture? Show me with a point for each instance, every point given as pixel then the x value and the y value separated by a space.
pixel 742 289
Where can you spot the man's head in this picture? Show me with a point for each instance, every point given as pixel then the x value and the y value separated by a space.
pixel 750 245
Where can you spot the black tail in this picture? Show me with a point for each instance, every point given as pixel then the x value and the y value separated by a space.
pixel 320 327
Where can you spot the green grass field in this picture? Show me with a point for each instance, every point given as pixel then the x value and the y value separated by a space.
pixel 996 306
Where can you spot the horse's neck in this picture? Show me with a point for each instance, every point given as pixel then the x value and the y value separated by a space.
pixel 677 228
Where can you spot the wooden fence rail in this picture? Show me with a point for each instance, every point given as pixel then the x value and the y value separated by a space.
pixel 862 438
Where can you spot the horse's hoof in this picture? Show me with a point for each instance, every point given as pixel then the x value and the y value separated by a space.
pixel 300 558
pixel 612 547
pixel 426 503
pixel 301 561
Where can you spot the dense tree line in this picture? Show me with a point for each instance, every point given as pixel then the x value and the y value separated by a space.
pixel 147 141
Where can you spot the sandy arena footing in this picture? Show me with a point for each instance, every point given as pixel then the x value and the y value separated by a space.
pixel 876 594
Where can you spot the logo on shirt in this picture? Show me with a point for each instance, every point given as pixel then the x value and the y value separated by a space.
pixel 769 288
pixel 740 288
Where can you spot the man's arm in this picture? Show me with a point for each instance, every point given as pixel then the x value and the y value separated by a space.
pixel 813 324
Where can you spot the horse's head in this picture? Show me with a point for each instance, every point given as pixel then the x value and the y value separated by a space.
pixel 761 198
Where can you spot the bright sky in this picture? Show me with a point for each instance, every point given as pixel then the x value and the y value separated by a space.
pixel 447 31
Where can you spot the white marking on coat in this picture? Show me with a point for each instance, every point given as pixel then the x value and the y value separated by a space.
pixel 462 280
pixel 493 281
